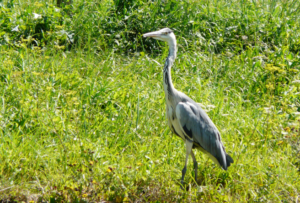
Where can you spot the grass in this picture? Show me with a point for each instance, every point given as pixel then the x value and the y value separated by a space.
pixel 85 121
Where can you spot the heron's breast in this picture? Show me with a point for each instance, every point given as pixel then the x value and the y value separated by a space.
pixel 174 121
pixel 176 126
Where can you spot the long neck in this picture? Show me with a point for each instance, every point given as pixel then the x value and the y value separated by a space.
pixel 168 85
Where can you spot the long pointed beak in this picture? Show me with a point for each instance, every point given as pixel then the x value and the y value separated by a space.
pixel 152 34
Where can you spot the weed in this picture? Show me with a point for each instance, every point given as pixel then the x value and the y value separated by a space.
pixel 83 111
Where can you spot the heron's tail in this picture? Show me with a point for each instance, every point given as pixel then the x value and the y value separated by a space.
pixel 229 160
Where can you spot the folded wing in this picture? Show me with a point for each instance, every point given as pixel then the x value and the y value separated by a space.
pixel 196 125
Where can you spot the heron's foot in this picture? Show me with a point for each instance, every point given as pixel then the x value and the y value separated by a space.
pixel 184 186
pixel 182 178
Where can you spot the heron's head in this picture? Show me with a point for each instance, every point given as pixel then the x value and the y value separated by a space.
pixel 165 34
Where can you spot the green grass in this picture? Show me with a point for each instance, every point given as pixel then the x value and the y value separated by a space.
pixel 85 120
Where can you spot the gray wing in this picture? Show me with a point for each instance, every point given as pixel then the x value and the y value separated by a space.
pixel 196 124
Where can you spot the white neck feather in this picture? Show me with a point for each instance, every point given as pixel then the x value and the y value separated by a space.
pixel 167 80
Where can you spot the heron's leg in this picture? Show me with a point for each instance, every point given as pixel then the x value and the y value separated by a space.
pixel 188 146
pixel 195 164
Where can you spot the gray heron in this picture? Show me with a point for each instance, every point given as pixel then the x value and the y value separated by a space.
pixel 186 118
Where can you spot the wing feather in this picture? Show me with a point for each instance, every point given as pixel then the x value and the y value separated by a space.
pixel 196 124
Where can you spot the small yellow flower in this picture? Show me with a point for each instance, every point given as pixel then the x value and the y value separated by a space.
pixel 280 142
pixel 59 26
pixel 126 199
pixel 272 68
pixel 36 73
pixel 71 92
pixel 270 86
pixel 38 4
pixel 59 47
pixel 84 195
pixel 8 63
pixel 294 70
